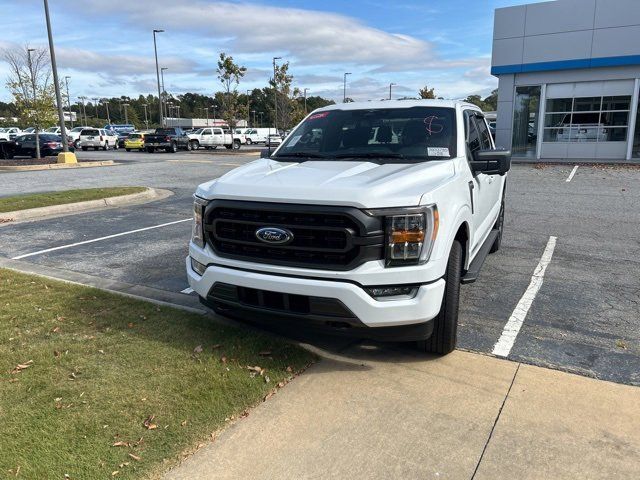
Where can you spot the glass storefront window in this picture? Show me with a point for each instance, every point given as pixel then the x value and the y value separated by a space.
pixel 525 121
pixel 587 119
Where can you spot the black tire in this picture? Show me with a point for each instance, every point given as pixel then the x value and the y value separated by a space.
pixel 499 227
pixel 236 144
pixel 195 145
pixel 228 147
pixel 84 149
pixel 128 149
pixel 106 146
pixel 249 142
pixel 445 325
pixel 174 147
pixel 150 149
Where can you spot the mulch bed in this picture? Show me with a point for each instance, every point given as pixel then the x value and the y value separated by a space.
pixel 23 161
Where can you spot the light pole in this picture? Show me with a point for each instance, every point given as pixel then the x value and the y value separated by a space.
pixel 261 114
pixel 35 100
pixel 305 100
pixel 177 114
pixel 95 102
pixel 344 87
pixel 155 49
pixel 163 103
pixel 146 121
pixel 126 116
pixel 390 85
pixel 84 109
pixel 56 83
pixel 214 106
pixel 275 94
pixel 169 106
pixel 248 107
pixel 254 118
pixel 105 102
pixel 66 81
pixel 206 112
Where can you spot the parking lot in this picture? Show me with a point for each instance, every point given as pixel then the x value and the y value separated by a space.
pixel 585 317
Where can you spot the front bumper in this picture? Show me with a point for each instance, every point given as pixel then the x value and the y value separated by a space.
pixel 415 314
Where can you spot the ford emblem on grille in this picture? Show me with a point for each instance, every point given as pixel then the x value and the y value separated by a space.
pixel 274 235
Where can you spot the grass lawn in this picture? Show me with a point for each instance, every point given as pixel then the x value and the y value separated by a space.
pixel 93 383
pixel 35 200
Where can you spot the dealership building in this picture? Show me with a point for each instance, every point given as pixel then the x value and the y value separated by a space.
pixel 569 73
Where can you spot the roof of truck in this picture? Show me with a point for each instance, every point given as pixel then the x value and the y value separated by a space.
pixel 396 104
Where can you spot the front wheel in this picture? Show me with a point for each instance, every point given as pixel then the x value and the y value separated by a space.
pixel 236 144
pixel 445 325
pixel 128 149
pixel 249 142
pixel 195 145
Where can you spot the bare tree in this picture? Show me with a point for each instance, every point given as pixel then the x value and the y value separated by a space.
pixel 32 88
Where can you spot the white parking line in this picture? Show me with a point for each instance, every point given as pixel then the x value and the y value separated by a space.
pixel 573 172
pixel 187 291
pixel 503 346
pixel 39 252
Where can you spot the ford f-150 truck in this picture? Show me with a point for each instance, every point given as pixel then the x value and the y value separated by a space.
pixel 364 221
pixel 169 139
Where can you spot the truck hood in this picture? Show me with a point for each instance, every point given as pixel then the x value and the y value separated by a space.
pixel 358 184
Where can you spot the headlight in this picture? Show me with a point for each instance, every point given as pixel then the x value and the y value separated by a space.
pixel 410 234
pixel 197 233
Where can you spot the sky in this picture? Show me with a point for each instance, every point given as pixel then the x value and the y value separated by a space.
pixel 106 46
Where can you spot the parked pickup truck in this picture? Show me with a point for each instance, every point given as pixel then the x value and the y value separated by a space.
pixel 167 139
pixel 215 137
pixel 365 221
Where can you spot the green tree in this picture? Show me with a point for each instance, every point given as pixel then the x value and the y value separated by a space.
pixel 229 74
pixel 427 93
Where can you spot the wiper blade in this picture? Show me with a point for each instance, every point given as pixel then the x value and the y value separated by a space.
pixel 301 155
pixel 369 155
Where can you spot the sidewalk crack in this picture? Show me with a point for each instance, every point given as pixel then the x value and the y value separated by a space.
pixel 495 422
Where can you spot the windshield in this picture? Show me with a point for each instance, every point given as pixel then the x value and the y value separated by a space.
pixel 134 135
pixel 77 129
pixel 165 131
pixel 198 131
pixel 413 134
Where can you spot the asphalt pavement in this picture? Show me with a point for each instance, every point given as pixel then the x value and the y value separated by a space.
pixel 585 317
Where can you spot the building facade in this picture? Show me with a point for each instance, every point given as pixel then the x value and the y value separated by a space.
pixel 569 74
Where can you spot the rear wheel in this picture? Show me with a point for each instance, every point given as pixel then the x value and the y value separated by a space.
pixel 249 142
pixel 106 146
pixel 189 146
pixel 445 325
pixel 499 227
pixel 150 149
pixel 236 144
pixel 128 149
pixel 84 149
pixel 174 147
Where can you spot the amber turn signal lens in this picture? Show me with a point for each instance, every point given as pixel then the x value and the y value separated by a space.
pixel 407 236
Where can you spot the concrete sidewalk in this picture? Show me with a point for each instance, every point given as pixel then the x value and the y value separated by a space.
pixel 380 413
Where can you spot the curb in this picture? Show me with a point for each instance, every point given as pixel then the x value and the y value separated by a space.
pixel 54 166
pixel 149 195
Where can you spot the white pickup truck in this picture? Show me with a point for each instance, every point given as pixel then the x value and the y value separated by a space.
pixel 365 222
pixel 214 137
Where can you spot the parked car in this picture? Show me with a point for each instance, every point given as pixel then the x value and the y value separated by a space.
pixel 582 127
pixel 360 239
pixel 29 130
pixel 273 140
pixel 215 137
pixel 122 137
pixel 97 138
pixel 7 149
pixel 257 135
pixel 50 144
pixel 135 141
pixel 168 139
pixel 4 135
pixel 12 131
pixel 54 130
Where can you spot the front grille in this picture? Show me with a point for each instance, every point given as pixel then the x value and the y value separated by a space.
pixel 284 303
pixel 337 238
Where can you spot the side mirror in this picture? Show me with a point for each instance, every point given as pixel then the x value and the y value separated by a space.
pixel 491 162
pixel 265 153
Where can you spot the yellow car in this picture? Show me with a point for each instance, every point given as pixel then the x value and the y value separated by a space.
pixel 135 141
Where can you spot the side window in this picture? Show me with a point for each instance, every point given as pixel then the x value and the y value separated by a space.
pixel 483 131
pixel 471 132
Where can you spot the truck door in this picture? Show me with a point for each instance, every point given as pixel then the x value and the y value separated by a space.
pixel 484 189
pixel 206 139
pixel 218 137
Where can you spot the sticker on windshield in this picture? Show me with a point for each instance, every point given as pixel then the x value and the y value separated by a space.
pixel 438 152
pixel 316 116
pixel 294 140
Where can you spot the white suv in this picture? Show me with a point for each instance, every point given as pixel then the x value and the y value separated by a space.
pixel 97 138
pixel 364 221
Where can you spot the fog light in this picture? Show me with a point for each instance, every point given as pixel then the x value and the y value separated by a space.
pixel 198 267
pixel 390 291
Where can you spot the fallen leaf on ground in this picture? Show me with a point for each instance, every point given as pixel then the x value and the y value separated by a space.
pixel 114 473
pixel 217 345
pixel 55 330
pixel 266 353
pixel 22 366
pixel 255 369
pixel 183 423
pixel 56 353
pixel 149 423
pixel 223 359
pixel 135 457
pixel 289 369
pixel 198 349
pixel 120 444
